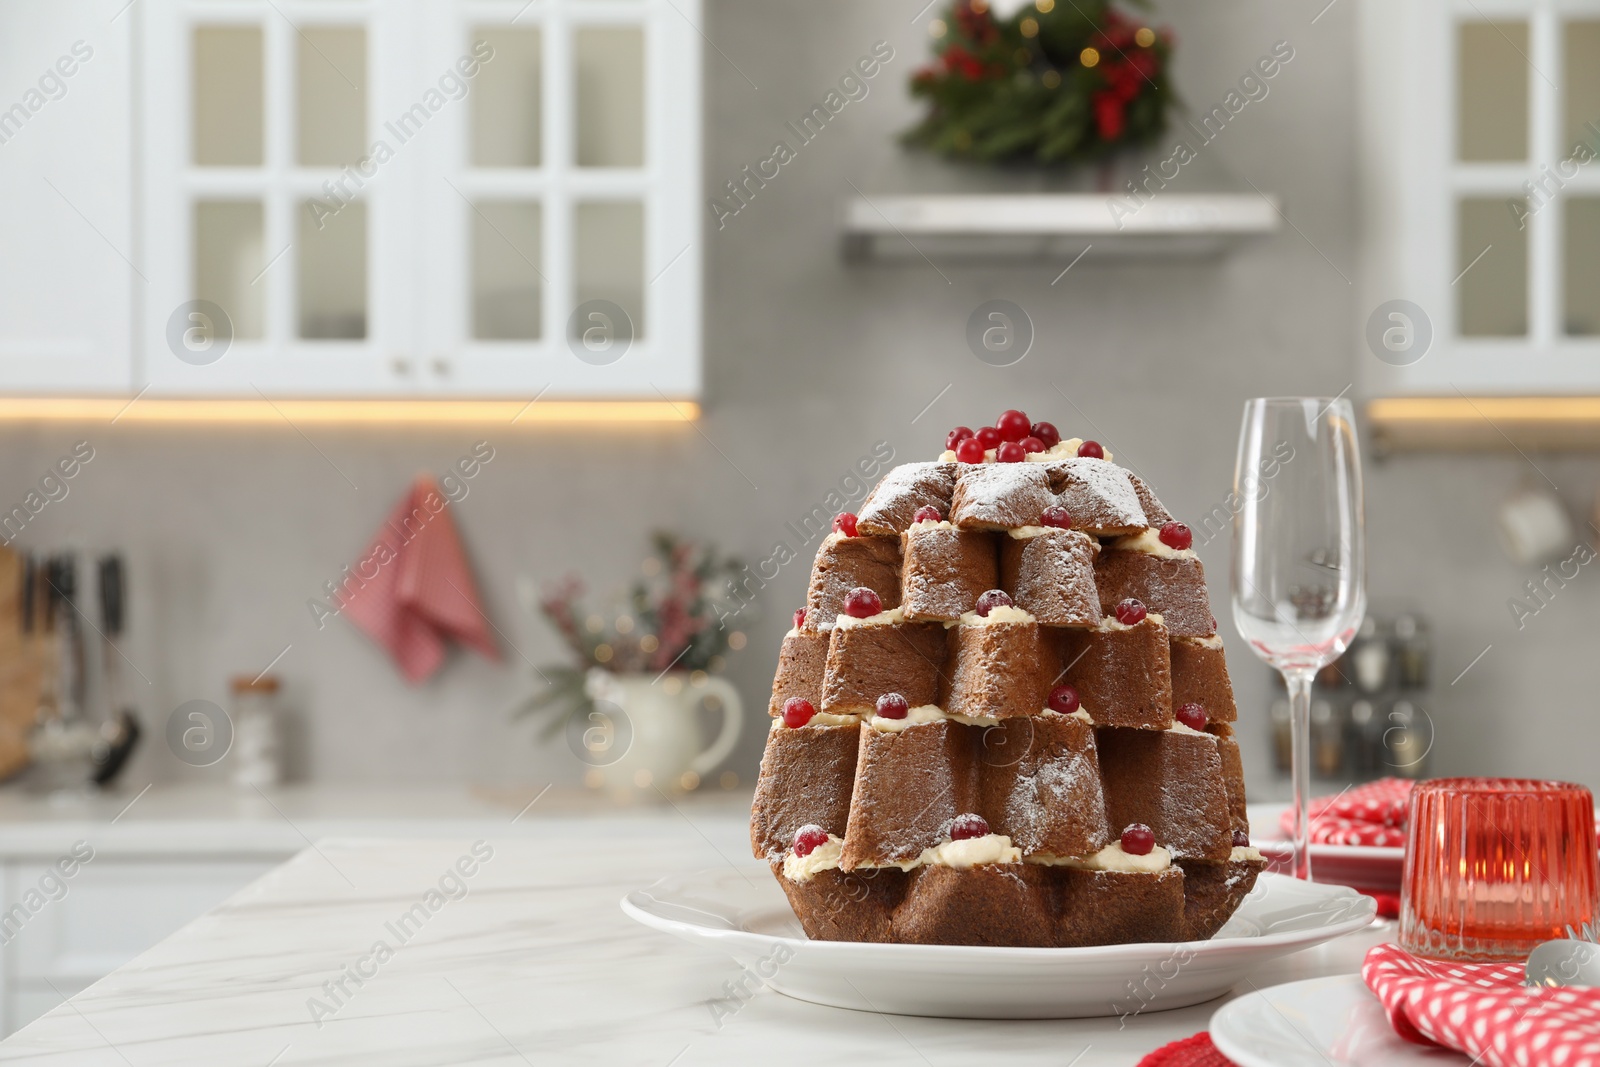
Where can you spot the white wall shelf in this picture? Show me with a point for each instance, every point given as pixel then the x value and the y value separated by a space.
pixel 915 205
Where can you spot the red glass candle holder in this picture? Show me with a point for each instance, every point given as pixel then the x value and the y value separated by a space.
pixel 1494 866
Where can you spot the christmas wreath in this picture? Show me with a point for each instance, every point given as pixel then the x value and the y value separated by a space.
pixel 1050 82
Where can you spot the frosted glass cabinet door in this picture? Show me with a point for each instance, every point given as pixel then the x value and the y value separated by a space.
pixel 283 199
pixel 69 267
pixel 564 257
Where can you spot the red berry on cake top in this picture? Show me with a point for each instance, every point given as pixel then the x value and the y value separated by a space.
pixel 988 437
pixel 797 711
pixel 1191 715
pixel 967 826
pixel 799 618
pixel 956 436
pixel 1011 452
pixel 1091 450
pixel 861 603
pixel 1013 425
pixel 1057 516
pixel 994 598
pixel 1241 839
pixel 1176 535
pixel 1138 839
pixel 808 837
pixel 927 513
pixel 1131 612
pixel 1032 444
pixel 1064 699
pixel 893 706
pixel 969 450
pixel 845 523
pixel 1047 433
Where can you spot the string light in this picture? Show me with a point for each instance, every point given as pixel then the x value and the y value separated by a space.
pixel 602 653
pixel 937 28
pixel 1045 6
pixel 1145 37
pixel 1029 27
pixel 1089 57
pixel 1051 79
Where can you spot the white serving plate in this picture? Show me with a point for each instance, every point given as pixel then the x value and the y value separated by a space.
pixel 1361 866
pixel 1321 1022
pixel 742 912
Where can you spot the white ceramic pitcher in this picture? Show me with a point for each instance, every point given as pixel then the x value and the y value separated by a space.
pixel 643 734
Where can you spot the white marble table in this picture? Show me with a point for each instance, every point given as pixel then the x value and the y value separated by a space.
pixel 535 964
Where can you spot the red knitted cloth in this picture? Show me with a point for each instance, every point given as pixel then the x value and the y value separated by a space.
pixel 1194 1051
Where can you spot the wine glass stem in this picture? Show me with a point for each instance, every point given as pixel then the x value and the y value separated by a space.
pixel 1299 684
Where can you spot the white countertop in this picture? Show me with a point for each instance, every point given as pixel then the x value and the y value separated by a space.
pixel 278 821
pixel 535 964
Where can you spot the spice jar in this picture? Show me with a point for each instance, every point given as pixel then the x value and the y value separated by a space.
pixel 256 754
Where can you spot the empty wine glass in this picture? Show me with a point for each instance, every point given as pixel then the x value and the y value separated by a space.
pixel 1299 556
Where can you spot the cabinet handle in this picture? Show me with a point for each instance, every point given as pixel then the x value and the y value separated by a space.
pixel 402 367
pixel 441 367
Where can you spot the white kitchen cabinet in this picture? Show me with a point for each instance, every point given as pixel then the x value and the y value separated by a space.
pixel 1481 130
pixel 357 198
pixel 111 909
pixel 70 269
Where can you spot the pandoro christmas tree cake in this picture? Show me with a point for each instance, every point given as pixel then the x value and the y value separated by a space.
pixel 1003 716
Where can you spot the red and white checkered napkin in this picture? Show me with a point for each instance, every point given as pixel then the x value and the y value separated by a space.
pixel 1371 814
pixel 412 591
pixel 1484 1010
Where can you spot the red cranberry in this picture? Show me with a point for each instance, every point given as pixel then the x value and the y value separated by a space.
pixel 861 602
pixel 893 706
pixel 1176 535
pixel 1191 715
pixel 1011 452
pixel 1091 450
pixel 1032 444
pixel 1047 433
pixel 1057 516
pixel 797 711
pixel 1064 698
pixel 1013 425
pixel 845 523
pixel 963 827
pixel 799 618
pixel 956 436
pixel 994 598
pixel 969 450
pixel 1138 839
pixel 1241 839
pixel 808 837
pixel 988 437
pixel 1131 612
pixel 927 513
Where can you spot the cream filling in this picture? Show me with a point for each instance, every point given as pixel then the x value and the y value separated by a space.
pixel 996 615
pixel 1214 641
pixel 1082 714
pixel 1111 858
pixel 1149 542
pixel 990 848
pixel 1179 728
pixel 822 858
pixel 892 617
pixel 821 718
pixel 914 717
pixel 1110 624
pixel 1066 449
pixel 1241 853
pixel 925 524
pixel 1024 533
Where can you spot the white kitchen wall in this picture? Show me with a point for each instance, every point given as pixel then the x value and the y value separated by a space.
pixel 229 531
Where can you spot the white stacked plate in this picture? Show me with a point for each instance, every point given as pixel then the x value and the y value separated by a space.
pixel 742 912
